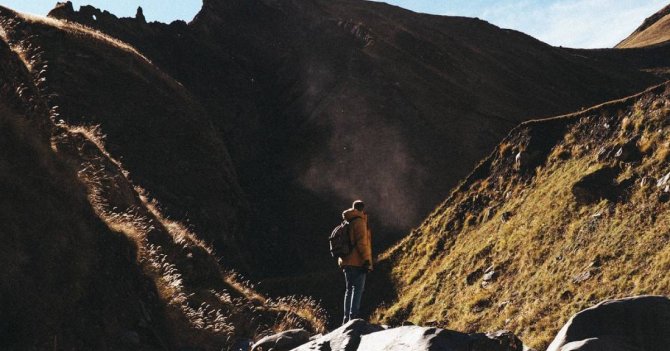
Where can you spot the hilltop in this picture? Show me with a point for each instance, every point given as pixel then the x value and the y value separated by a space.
pixel 409 101
pixel 653 31
pixel 565 212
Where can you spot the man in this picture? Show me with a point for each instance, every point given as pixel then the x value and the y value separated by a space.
pixel 358 262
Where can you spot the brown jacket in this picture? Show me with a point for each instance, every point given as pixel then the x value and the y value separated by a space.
pixel 359 234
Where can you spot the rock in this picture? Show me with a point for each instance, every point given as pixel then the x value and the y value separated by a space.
pixel 629 152
pixel 344 338
pixel 491 274
pixel 596 186
pixel 284 341
pixel 521 160
pixel 636 323
pixel 581 277
pixel 413 338
pixel 140 14
pixel 663 182
pixel 62 10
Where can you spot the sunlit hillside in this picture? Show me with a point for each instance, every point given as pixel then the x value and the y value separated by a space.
pixel 565 213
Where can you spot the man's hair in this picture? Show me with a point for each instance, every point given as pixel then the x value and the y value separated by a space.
pixel 359 205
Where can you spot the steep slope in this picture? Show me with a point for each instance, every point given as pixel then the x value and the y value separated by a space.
pixel 564 213
pixel 89 261
pixel 654 30
pixel 321 102
pixel 164 136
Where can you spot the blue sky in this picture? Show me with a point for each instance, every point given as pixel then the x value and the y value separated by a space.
pixel 571 23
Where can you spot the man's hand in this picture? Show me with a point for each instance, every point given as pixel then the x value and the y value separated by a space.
pixel 366 266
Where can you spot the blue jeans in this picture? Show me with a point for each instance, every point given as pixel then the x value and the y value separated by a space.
pixel 355 284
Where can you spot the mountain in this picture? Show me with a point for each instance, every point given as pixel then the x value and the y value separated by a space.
pixel 321 102
pixel 89 261
pixel 654 30
pixel 142 162
pixel 565 212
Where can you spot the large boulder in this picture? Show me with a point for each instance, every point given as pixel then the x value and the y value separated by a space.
pixel 358 335
pixel 630 324
pixel 283 341
pixel 414 338
pixel 345 338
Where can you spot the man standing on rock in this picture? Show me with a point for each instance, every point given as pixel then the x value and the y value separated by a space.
pixel 358 262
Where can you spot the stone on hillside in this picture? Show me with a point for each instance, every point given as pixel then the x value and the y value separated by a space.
pixel 490 276
pixel 581 277
pixel 521 160
pixel 629 152
pixel 413 338
pixel 636 323
pixel 596 186
pixel 344 338
pixel 663 182
pixel 284 341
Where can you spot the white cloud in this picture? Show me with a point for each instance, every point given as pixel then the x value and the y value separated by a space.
pixel 579 24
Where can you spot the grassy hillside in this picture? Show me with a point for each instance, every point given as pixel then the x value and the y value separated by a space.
pixel 580 216
pixel 164 135
pixel 654 30
pixel 89 260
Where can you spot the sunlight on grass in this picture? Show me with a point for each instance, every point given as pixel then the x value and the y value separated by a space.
pixel 552 256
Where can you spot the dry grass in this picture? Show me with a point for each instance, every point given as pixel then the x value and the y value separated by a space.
pixel 203 316
pixel 554 256
pixel 78 29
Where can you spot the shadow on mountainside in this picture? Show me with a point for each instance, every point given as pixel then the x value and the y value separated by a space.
pixel 329 287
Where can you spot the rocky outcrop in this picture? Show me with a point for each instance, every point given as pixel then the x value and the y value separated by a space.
pixel 357 335
pixel 284 341
pixel 630 324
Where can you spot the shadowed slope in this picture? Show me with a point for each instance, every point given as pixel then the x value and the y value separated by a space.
pixel 164 136
pixel 89 261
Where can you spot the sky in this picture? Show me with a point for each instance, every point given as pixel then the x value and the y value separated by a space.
pixel 569 23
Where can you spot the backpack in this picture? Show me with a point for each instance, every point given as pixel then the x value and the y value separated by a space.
pixel 340 241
